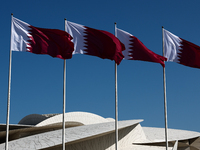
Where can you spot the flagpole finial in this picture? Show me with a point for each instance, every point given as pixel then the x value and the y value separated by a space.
pixel 11 14
pixel 162 27
pixel 65 19
pixel 115 23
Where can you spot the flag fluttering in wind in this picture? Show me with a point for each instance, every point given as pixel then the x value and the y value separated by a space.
pixel 181 51
pixel 95 42
pixel 136 50
pixel 54 42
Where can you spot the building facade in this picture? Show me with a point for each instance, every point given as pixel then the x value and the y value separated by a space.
pixel 87 131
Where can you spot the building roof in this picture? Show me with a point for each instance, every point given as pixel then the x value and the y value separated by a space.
pixel 92 132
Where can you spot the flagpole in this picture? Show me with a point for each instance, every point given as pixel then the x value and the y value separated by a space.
pixel 165 97
pixel 9 87
pixel 64 98
pixel 116 101
pixel 64 88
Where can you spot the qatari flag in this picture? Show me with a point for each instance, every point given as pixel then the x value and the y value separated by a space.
pixel 54 42
pixel 95 42
pixel 181 51
pixel 136 50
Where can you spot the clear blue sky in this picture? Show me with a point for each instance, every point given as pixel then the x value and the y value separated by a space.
pixel 37 80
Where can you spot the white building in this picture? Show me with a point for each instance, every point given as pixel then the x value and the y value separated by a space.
pixel 87 131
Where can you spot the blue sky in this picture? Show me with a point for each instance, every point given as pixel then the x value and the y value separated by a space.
pixel 37 80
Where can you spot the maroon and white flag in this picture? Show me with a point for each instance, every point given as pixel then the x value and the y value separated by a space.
pixel 95 42
pixel 136 50
pixel 181 51
pixel 54 42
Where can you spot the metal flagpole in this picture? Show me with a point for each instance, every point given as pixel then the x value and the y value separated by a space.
pixel 9 86
pixel 165 98
pixel 116 101
pixel 64 97
pixel 64 89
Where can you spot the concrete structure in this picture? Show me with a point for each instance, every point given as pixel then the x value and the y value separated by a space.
pixel 87 131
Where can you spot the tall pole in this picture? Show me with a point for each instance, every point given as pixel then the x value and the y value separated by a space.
pixel 64 89
pixel 116 101
pixel 9 87
pixel 64 98
pixel 165 97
